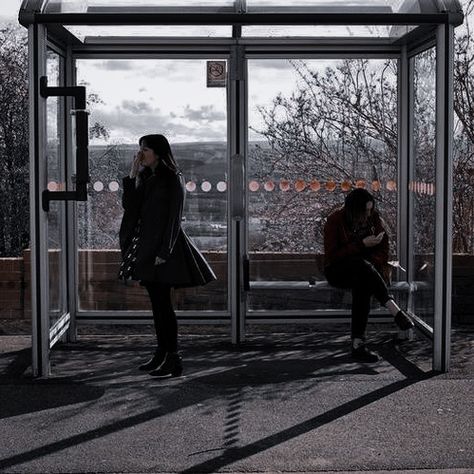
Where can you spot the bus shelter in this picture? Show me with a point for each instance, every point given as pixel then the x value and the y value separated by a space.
pixel 274 111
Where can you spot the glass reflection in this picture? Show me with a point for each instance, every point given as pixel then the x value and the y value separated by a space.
pixel 327 31
pixel 422 185
pixel 167 97
pixel 56 180
pixel 308 147
pixel 386 6
pixel 91 6
pixel 142 31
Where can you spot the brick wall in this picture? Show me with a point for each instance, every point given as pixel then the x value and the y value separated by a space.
pixel 99 288
pixel 463 289
pixel 12 288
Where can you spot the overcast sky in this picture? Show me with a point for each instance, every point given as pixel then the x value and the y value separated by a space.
pixel 171 97
pixel 9 10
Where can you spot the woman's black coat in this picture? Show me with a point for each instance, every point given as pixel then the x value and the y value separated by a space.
pixel 158 204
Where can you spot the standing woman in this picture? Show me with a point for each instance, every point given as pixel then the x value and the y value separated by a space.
pixel 356 257
pixel 155 249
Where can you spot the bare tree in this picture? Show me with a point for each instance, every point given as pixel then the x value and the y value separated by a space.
pixel 14 156
pixel 339 126
pixel 14 208
pixel 464 135
pixel 424 152
pixel 100 216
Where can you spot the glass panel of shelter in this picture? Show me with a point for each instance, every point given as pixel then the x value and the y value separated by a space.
pixel 309 147
pixel 304 188
pixel 88 33
pixel 379 6
pixel 56 181
pixel 94 6
pixel 163 96
pixel 422 184
pixel 327 31
pixel 335 6
pixel 96 33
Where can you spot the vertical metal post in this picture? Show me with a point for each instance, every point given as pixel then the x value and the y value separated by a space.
pixel 237 196
pixel 444 196
pixel 403 160
pixel 71 224
pixel 405 207
pixel 410 177
pixel 38 218
pixel 63 173
pixel 243 146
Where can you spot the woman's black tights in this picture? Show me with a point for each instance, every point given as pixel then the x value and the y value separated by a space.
pixel 364 280
pixel 166 326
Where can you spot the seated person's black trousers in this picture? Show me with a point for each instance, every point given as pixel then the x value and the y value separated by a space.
pixel 364 280
pixel 166 326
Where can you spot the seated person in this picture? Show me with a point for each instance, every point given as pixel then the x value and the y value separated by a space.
pixel 356 258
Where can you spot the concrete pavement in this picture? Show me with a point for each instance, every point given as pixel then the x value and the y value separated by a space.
pixel 277 403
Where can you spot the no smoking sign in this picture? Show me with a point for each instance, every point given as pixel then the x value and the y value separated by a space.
pixel 216 73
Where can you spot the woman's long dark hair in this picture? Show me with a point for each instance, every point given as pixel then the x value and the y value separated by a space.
pixel 159 144
pixel 355 206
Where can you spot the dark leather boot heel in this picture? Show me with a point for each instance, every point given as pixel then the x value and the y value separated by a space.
pixel 171 367
pixel 154 362
pixel 403 321
pixel 177 372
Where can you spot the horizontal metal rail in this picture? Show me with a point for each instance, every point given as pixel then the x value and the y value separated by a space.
pixel 323 284
pixel 261 18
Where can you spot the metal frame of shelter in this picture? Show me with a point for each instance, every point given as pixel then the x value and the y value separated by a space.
pixel 432 24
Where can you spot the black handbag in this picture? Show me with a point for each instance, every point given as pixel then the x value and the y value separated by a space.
pixel 127 267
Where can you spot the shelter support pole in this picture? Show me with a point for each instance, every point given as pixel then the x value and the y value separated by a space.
pixel 38 218
pixel 237 133
pixel 405 208
pixel 71 216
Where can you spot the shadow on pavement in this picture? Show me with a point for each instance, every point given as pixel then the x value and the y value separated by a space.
pixel 233 455
pixel 88 369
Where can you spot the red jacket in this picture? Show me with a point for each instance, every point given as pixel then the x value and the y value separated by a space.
pixel 340 243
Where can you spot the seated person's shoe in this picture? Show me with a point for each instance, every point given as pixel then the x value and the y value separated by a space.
pixel 171 367
pixel 403 321
pixel 154 362
pixel 363 354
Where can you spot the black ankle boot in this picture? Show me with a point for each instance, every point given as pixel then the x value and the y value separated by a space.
pixel 403 321
pixel 154 362
pixel 363 354
pixel 171 367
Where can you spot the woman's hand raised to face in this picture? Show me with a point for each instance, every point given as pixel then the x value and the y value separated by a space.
pixel 373 240
pixel 136 164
